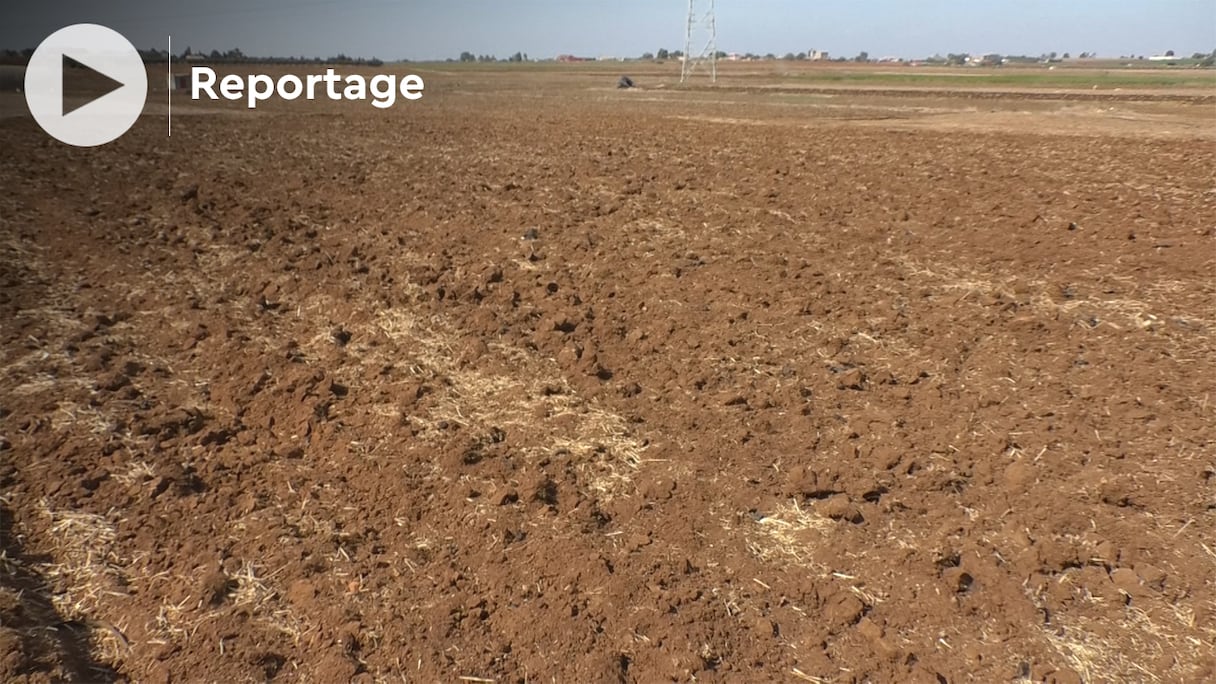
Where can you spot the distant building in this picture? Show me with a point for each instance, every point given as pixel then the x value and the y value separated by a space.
pixel 817 55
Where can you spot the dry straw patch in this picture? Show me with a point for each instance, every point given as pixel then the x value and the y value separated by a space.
pixel 1131 649
pixel 533 402
pixel 87 574
pixel 1155 640
pixel 250 591
pixel 1146 312
pixel 789 535
pixel 256 593
pixel 87 567
pixel 39 369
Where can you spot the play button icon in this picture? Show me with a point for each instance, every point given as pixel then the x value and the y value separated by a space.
pixel 69 63
pixel 86 85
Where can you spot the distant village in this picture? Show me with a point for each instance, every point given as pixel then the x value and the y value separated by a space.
pixel 952 59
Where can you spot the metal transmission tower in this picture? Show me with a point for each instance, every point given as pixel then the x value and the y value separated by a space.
pixel 701 22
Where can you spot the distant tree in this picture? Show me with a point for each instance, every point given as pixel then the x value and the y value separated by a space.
pixel 467 56
pixel 958 59
pixel 149 56
pixel 215 54
pixel 1169 53
pixel 720 54
pixel 676 54
pixel 647 55
pixel 862 57
pixel 789 56
pixel 800 56
pixel 663 54
pixel 1066 56
pixel 517 57
pixel 770 56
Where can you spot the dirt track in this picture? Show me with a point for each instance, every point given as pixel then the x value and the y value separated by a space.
pixel 1024 94
pixel 528 387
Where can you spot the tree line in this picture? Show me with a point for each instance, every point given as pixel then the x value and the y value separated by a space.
pixel 863 57
pixel 235 55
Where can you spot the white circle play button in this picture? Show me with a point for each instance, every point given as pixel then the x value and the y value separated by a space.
pixel 102 57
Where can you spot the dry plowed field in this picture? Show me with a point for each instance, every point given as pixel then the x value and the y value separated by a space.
pixel 537 381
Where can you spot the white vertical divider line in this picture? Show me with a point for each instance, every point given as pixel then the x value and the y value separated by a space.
pixel 171 84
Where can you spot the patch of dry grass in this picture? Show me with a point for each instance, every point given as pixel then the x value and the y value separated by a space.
pixel 534 400
pixel 77 417
pixel 87 573
pixel 1162 304
pixel 789 534
pixel 87 566
pixel 1154 639
pixel 256 593
pixel 1132 649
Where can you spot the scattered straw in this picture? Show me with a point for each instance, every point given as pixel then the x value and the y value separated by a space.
pixel 86 565
pixel 790 533
pixel 263 601
pixel 598 440
pixel 806 677
pixel 1131 648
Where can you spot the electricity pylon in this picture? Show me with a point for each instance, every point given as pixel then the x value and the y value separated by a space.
pixel 701 23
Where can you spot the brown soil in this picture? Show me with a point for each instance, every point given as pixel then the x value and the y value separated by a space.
pixel 521 385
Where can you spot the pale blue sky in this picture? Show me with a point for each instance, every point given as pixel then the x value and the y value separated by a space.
pixel 427 29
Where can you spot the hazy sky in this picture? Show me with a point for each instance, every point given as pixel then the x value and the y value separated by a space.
pixel 425 29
